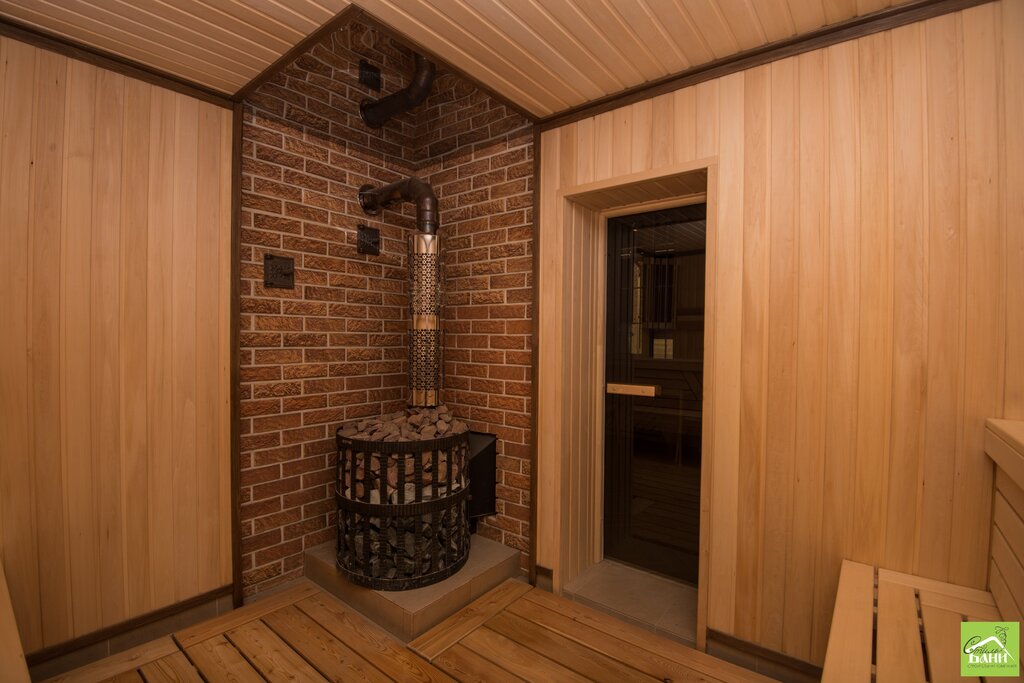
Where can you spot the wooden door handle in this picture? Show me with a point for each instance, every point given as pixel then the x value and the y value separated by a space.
pixel 649 390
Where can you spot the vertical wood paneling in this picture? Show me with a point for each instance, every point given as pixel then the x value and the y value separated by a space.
pixel 20 555
pixel 843 313
pixel 207 330
pixel 549 337
pixel 945 311
pixel 134 342
pixel 781 371
pixel 864 241
pixel 45 363
pixel 985 286
pixel 1013 177
pixel 753 327
pixel 183 346
pixel 159 257
pixel 874 331
pixel 728 309
pixel 226 325
pixel 114 233
pixel 910 259
pixel 812 322
pixel 79 457
pixel 105 291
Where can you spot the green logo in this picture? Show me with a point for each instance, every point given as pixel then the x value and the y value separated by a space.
pixel 989 648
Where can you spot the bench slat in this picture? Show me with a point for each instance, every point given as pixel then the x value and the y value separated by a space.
pixel 942 637
pixel 921 583
pixel 848 657
pixel 900 658
pixel 973 610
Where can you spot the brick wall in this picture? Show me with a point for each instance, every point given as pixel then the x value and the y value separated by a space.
pixel 479 158
pixel 333 348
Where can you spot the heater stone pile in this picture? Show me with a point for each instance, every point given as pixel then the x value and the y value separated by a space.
pixel 398 550
pixel 414 424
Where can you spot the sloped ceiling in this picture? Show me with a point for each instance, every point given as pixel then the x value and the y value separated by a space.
pixel 551 55
pixel 547 56
pixel 219 44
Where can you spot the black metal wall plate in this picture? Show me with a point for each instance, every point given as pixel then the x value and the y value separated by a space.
pixel 369 75
pixel 367 240
pixel 278 271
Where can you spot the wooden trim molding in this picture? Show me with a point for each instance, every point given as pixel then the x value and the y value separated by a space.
pixel 799 667
pixel 534 344
pixel 236 399
pixel 111 62
pixel 69 646
pixel 883 20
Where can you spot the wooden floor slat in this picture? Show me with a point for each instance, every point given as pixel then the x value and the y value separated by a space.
pixel 636 639
pixel 628 653
pixel 459 625
pixel 517 659
pixel 588 663
pixel 372 643
pixel 122 663
pixel 220 661
pixel 214 627
pixel 331 657
pixel 271 656
pixel 126 677
pixel 468 667
pixel 171 669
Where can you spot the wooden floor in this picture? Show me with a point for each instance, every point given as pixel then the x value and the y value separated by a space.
pixel 302 634
pixel 516 632
pixel 513 633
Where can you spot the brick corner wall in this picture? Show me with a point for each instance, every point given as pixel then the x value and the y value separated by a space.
pixel 334 347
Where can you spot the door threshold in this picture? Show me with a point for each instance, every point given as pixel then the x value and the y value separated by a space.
pixel 657 603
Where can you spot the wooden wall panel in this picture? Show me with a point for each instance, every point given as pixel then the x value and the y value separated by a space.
pixel 865 230
pixel 114 437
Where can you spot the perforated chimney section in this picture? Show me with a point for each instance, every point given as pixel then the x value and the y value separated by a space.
pixel 425 342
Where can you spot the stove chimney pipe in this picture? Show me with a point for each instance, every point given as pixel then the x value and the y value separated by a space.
pixel 425 361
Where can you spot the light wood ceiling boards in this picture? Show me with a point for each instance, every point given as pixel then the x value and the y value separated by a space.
pixel 552 55
pixel 219 44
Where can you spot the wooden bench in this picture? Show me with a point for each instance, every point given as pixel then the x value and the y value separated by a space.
pixel 906 628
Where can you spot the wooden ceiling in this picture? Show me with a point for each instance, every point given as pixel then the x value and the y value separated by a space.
pixel 551 55
pixel 546 56
pixel 219 44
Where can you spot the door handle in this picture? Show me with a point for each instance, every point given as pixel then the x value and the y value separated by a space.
pixel 649 390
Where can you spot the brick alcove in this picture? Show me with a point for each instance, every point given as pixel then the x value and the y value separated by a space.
pixel 333 348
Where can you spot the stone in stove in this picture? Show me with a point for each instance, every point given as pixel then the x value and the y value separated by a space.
pixel 413 424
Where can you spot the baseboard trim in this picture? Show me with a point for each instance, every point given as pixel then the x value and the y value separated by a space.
pixel 544 578
pixel 108 632
pixel 798 666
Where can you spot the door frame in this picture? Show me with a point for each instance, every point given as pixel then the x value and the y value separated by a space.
pixel 570 363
